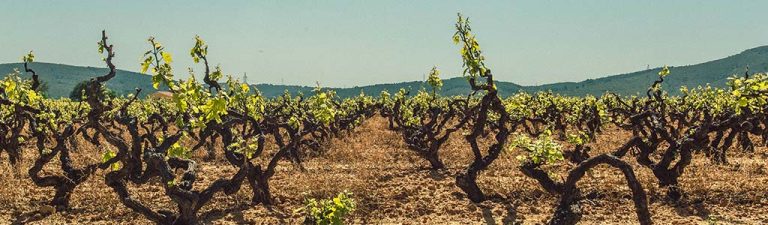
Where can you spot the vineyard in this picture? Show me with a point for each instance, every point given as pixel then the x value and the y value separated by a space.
pixel 217 151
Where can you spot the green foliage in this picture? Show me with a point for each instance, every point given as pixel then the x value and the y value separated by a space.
pixel 749 93
pixel 247 148
pixel 580 138
pixel 471 54
pixel 664 71
pixel 543 150
pixel 106 156
pixel 160 61
pixel 384 94
pixel 707 98
pixel 434 79
pixel 414 108
pixel 329 211
pixel 200 50
pixel 179 151
pixel 19 91
pixel 321 107
pixel 216 74
pixel 189 96
pixel 214 108
pixel 294 122
pixel 240 96
pixel 28 58
pixel 78 93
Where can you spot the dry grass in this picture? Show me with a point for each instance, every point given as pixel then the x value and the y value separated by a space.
pixel 392 186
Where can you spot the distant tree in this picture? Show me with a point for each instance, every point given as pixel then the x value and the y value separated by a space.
pixel 77 92
pixel 43 88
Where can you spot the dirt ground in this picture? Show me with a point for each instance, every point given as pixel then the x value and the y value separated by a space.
pixel 391 185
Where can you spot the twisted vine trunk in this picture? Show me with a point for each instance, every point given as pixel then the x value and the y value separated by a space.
pixel 569 210
pixel 467 181
pixel 63 185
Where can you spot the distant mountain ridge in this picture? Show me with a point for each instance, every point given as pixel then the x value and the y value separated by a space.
pixel 62 78
pixel 715 72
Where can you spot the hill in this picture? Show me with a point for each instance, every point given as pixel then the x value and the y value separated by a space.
pixel 62 78
pixel 451 86
pixel 714 72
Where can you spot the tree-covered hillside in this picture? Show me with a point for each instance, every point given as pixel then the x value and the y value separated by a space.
pixel 62 78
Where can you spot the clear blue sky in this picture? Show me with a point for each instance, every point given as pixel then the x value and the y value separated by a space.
pixel 347 43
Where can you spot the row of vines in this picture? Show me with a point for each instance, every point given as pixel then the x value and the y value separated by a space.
pixel 150 142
